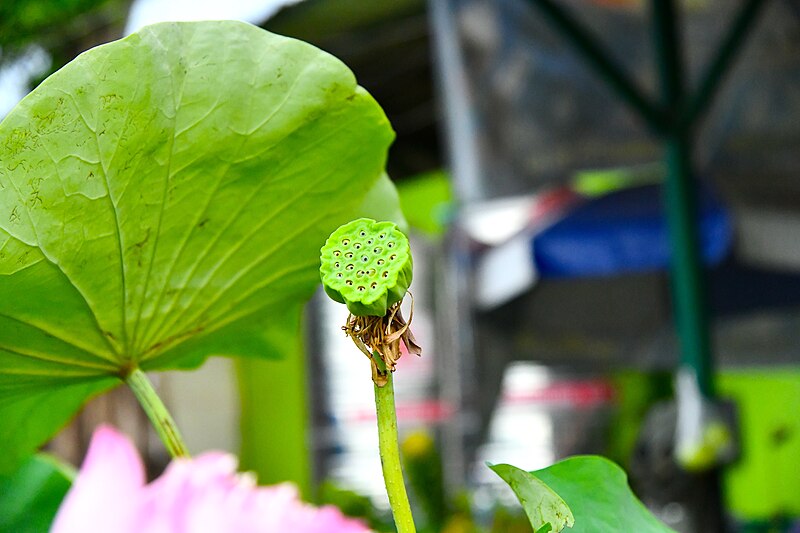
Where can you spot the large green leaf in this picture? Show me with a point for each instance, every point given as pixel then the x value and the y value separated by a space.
pixel 31 495
pixel 161 198
pixel 597 493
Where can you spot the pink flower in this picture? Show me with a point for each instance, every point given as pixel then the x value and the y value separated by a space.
pixel 199 495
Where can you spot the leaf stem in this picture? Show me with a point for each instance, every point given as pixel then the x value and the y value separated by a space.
pixel 390 454
pixel 157 413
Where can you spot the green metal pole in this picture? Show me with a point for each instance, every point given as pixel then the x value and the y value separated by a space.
pixel 688 291
pixel 689 299
pixel 688 287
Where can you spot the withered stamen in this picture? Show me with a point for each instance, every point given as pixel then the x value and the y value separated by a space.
pixel 383 335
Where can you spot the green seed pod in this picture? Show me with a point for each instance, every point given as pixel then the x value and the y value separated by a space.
pixel 367 266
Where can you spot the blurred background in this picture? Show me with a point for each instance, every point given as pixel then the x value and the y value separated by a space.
pixel 603 196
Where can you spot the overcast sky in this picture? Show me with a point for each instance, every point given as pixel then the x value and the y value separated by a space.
pixel 146 12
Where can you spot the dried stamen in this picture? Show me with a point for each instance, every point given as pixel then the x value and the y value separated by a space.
pixel 383 334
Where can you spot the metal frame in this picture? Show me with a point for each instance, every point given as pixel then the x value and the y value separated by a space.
pixel 673 120
pixel 672 116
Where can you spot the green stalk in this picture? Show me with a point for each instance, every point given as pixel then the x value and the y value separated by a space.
pixel 390 453
pixel 157 413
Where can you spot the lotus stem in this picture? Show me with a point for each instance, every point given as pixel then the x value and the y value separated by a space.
pixel 157 412
pixel 390 453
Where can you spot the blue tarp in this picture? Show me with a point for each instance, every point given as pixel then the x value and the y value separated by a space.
pixel 625 232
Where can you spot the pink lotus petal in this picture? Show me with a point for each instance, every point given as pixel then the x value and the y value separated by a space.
pixel 201 495
pixel 104 493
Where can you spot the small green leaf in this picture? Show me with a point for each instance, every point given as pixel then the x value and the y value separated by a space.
pixel 597 491
pixel 31 495
pixel 161 198
pixel 598 494
pixel 544 507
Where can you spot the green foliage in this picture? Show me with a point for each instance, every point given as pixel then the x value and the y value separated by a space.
pixel 162 197
pixel 354 505
pixel 22 21
pixel 423 468
pixel 31 495
pixel 366 265
pixel 591 489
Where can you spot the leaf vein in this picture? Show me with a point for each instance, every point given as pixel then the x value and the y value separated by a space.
pixel 235 215
pixel 180 250
pixel 178 97
pixel 59 336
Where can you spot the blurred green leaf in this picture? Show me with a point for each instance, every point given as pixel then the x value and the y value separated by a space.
pixel 272 393
pixel 355 505
pixel 426 201
pixel 31 495
pixel 382 203
pixel 164 197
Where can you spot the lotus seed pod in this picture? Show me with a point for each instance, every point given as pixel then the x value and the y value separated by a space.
pixel 367 266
